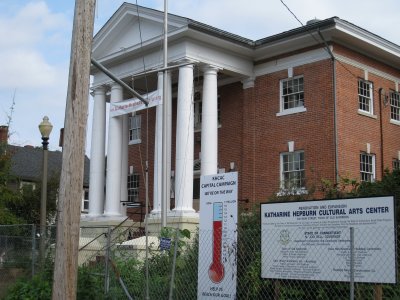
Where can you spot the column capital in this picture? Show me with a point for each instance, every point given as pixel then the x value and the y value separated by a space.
pixel 191 66
pixel 115 85
pixel 98 90
pixel 210 69
pixel 248 82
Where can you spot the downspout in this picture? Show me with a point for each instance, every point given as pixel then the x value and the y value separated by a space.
pixel 336 171
pixel 335 120
pixel 381 130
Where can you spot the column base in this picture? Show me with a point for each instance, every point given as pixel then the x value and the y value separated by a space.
pixel 188 221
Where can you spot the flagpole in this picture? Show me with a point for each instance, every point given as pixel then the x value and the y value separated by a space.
pixel 165 171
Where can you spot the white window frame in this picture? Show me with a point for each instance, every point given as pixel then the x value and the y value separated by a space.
pixel 293 110
pixel 27 183
pixel 292 189
pixel 368 95
pixel 395 107
pixel 198 105
pixel 367 168
pixel 85 200
pixel 133 187
pixel 396 164
pixel 135 128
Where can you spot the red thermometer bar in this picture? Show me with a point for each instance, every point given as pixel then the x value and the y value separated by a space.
pixel 216 271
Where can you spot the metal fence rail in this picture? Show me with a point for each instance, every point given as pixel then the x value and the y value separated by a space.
pixel 119 263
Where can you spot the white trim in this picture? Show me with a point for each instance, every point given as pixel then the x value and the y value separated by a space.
pixel 366 114
pixel 291 62
pixel 291 111
pixel 134 142
pixel 291 146
pixel 366 75
pixel 395 122
pixel 374 71
pixel 290 72
pixel 282 191
pixel 373 173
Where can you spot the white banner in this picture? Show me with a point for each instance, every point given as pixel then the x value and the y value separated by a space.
pixel 218 236
pixel 134 104
pixel 311 240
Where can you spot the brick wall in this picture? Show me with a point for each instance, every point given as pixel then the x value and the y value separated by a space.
pixel 356 130
pixel 252 136
pixel 3 134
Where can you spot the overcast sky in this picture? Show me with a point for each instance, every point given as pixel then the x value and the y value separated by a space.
pixel 35 37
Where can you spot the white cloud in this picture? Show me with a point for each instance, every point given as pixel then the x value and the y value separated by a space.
pixel 22 39
pixel 22 68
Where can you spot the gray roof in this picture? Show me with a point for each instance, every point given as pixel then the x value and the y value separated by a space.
pixel 26 163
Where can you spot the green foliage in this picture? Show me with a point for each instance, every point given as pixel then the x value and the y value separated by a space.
pixel 39 287
pixel 7 195
pixel 23 206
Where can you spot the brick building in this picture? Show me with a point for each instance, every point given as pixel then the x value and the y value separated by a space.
pixel 319 101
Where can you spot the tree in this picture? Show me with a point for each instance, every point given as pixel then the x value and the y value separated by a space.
pixel 23 206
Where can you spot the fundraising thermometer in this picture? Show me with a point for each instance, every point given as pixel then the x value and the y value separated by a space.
pixel 216 270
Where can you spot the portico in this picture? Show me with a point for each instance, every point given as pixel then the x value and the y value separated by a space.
pixel 199 68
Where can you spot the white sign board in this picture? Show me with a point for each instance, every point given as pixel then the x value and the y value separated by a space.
pixel 218 236
pixel 134 104
pixel 311 240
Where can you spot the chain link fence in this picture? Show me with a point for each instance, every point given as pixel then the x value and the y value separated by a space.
pixel 123 269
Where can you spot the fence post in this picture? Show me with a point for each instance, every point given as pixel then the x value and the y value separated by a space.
pixel 171 287
pixel 351 263
pixel 378 293
pixel 107 257
pixel 33 248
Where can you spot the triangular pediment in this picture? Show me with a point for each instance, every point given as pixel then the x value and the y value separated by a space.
pixel 132 26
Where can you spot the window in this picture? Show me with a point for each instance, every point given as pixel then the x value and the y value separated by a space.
pixel 292 171
pixel 134 129
pixel 27 186
pixel 395 106
pixel 85 200
pixel 198 110
pixel 133 187
pixel 367 167
pixel 365 103
pixel 396 164
pixel 292 95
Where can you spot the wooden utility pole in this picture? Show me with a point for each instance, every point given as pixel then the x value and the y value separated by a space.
pixel 71 182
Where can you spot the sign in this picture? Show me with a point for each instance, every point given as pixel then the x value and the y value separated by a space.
pixel 165 243
pixel 311 240
pixel 218 236
pixel 134 104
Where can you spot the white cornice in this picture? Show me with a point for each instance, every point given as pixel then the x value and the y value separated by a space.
pixel 364 67
pixel 291 61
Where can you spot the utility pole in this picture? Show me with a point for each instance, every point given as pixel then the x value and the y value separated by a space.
pixel 71 181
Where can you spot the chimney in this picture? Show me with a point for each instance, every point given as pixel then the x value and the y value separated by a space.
pixel 3 134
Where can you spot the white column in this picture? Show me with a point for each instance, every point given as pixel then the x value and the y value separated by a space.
pixel 97 153
pixel 124 164
pixel 113 187
pixel 184 143
pixel 158 152
pixel 209 123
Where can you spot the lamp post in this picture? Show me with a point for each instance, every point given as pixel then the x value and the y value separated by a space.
pixel 45 128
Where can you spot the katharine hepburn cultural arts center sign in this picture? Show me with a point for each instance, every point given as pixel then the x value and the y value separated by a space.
pixel 310 240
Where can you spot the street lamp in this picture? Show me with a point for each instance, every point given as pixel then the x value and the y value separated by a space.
pixel 45 128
